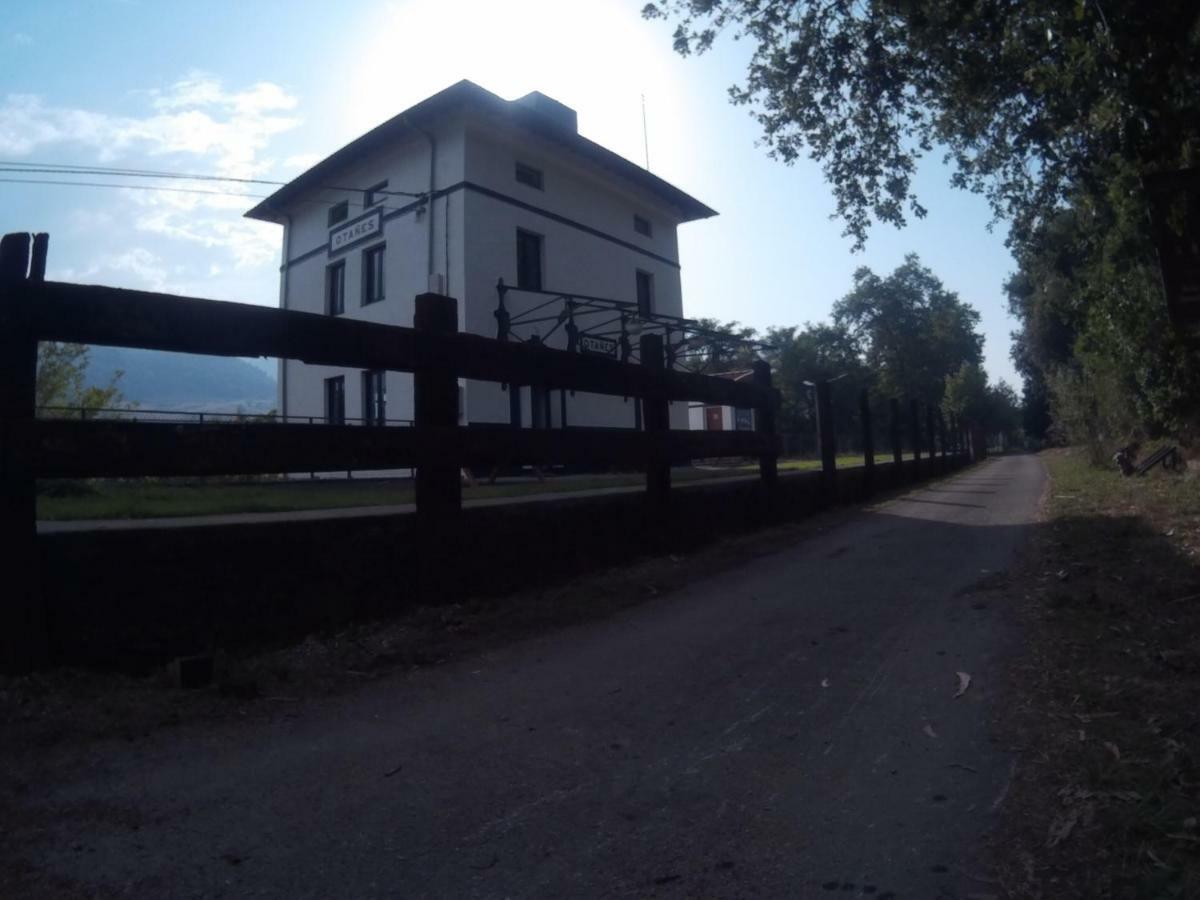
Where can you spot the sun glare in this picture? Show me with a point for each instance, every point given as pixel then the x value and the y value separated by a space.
pixel 596 56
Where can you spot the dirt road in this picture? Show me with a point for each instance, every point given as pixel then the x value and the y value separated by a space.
pixel 787 729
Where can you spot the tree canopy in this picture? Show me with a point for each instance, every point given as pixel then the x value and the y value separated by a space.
pixel 903 336
pixel 1055 110
pixel 62 381
pixel 913 332
pixel 1027 100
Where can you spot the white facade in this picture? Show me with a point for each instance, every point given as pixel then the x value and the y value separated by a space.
pixel 465 239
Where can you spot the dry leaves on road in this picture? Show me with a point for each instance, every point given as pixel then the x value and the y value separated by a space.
pixel 964 682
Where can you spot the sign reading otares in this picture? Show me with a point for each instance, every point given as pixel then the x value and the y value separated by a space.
pixel 599 346
pixel 358 230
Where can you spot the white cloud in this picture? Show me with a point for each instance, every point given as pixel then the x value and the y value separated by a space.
pixel 21 39
pixel 250 243
pixel 148 270
pixel 201 126
pixel 300 162
pixel 195 117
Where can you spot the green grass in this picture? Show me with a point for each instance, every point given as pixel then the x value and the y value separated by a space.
pixel 161 498
pixel 1108 688
pixel 154 498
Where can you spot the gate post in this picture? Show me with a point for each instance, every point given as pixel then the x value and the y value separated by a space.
pixel 914 418
pixel 435 408
pixel 25 641
pixel 868 442
pixel 932 436
pixel 941 420
pixel 978 442
pixel 826 440
pixel 764 424
pixel 897 443
pixel 656 422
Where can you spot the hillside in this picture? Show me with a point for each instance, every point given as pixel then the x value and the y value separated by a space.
pixel 180 381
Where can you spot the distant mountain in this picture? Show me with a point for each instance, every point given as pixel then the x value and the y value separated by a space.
pixel 181 381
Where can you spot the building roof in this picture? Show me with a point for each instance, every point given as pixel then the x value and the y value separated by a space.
pixel 534 112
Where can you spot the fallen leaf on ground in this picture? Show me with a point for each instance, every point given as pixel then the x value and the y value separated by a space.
pixel 824 682
pixel 1113 749
pixel 928 729
pixel 1061 829
pixel 964 682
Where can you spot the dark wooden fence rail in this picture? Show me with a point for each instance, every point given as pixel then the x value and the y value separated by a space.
pixel 433 350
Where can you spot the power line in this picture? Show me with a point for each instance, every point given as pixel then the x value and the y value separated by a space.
pixel 127 187
pixel 70 169
pixel 177 190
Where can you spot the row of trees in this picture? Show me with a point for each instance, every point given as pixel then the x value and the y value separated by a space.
pixel 1052 109
pixel 903 335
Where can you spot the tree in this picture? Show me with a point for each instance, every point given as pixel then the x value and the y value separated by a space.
pixel 966 393
pixel 995 408
pixel 914 332
pixel 1030 100
pixel 800 357
pixel 62 381
pixel 724 349
pixel 1088 296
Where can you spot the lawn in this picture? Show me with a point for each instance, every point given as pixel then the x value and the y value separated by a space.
pixel 153 498
pixel 1107 797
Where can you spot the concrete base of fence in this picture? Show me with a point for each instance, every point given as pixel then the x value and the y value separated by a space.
pixel 135 598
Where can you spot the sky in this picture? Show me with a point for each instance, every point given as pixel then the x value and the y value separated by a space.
pixel 264 89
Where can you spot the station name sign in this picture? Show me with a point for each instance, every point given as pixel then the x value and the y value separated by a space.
pixel 598 346
pixel 356 231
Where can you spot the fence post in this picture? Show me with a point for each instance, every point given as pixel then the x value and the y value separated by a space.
pixel 764 424
pixel 914 423
pixel 22 614
pixel 941 419
pixel 978 442
pixel 656 422
pixel 931 434
pixel 897 444
pixel 868 442
pixel 435 405
pixel 826 438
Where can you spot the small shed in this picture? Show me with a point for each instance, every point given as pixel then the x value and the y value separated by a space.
pixel 702 417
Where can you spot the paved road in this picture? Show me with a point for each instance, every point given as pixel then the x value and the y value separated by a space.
pixel 787 729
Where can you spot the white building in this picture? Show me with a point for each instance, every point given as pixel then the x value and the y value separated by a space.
pixel 461 190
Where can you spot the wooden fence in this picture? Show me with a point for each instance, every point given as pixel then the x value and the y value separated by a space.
pixel 435 446
pixel 433 350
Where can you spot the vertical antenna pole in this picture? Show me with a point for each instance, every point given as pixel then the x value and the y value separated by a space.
pixel 645 134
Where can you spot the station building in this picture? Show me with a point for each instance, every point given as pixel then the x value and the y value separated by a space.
pixel 455 195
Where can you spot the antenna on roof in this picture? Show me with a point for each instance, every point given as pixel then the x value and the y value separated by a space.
pixel 645 134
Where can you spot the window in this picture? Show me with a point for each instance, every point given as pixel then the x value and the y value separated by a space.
pixel 529 260
pixel 335 289
pixel 529 175
pixel 374 194
pixel 374 392
pixel 335 400
pixel 645 293
pixel 339 212
pixel 372 277
pixel 642 226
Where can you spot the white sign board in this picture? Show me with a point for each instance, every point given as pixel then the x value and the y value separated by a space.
pixel 599 346
pixel 361 229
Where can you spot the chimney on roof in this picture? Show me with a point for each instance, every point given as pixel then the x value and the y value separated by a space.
pixel 559 113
